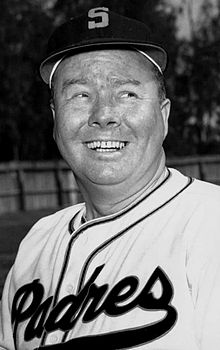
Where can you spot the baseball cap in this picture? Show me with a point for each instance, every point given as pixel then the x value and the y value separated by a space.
pixel 100 28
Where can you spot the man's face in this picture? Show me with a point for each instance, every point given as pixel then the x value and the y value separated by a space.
pixel 109 121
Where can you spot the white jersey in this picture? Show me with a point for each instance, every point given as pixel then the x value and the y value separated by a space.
pixel 147 277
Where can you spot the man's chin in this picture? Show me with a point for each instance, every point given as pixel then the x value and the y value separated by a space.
pixel 103 179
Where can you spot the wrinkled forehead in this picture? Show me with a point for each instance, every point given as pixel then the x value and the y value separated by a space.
pixel 127 63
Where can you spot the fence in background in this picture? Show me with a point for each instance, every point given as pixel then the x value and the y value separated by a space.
pixel 36 185
pixel 39 185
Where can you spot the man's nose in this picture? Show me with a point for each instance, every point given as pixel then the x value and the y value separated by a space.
pixel 104 115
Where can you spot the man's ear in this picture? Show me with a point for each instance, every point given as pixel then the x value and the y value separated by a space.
pixel 165 111
pixel 52 108
pixel 53 114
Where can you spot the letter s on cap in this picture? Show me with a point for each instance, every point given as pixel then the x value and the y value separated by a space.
pixel 98 12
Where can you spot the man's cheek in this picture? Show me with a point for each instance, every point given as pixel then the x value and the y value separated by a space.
pixel 62 128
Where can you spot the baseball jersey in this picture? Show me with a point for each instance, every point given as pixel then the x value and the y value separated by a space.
pixel 147 277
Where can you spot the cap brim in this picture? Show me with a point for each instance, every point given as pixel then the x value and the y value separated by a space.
pixel 156 52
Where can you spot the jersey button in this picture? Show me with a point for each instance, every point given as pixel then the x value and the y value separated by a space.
pixel 53 339
pixel 69 288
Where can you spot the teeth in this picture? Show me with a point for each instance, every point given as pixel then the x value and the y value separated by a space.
pixel 106 146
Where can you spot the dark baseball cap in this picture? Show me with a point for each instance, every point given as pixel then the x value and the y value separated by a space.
pixel 100 28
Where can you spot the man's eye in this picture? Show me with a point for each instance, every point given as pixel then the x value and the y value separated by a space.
pixel 76 96
pixel 128 95
pixel 81 95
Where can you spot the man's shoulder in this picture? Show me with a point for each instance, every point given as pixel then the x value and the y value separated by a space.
pixel 39 245
pixel 205 190
pixel 61 214
pixel 200 189
pixel 55 221
pixel 47 230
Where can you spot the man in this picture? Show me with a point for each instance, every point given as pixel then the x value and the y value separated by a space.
pixel 137 265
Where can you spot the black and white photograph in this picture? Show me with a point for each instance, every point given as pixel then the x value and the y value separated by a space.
pixel 110 175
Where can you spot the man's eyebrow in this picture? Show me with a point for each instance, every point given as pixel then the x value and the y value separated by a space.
pixel 74 81
pixel 119 82
pixel 114 81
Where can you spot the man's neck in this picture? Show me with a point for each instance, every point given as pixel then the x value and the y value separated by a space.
pixel 106 200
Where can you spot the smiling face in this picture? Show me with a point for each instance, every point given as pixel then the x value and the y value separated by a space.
pixel 109 123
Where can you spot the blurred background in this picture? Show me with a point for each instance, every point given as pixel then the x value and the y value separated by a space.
pixel 34 181
pixel 188 29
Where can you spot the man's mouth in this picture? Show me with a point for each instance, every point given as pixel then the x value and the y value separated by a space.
pixel 106 146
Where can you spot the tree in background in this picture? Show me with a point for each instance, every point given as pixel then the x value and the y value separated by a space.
pixel 197 84
pixel 23 130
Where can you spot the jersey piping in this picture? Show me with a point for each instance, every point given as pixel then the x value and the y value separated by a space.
pixel 105 244
pixel 109 241
pixel 122 212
